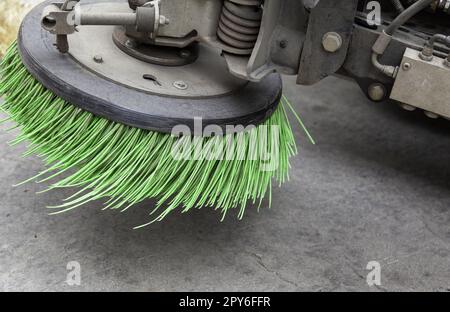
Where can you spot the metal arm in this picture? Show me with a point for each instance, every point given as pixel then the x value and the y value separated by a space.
pixel 62 19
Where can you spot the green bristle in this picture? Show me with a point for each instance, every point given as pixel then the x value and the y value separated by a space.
pixel 125 165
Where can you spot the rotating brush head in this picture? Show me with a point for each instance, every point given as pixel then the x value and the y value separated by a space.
pixel 124 153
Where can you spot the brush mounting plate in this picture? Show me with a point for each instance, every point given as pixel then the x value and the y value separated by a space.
pixel 219 98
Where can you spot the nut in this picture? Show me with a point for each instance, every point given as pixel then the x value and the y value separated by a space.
pixel 181 85
pixel 426 54
pixel 98 59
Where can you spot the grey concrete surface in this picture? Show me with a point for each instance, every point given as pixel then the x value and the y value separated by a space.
pixel 375 187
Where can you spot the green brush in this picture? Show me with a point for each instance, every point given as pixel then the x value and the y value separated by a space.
pixel 125 165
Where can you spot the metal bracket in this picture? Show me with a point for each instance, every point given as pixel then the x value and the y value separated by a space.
pixel 61 19
pixel 279 43
pixel 328 16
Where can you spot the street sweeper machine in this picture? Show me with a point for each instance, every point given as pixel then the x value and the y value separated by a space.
pixel 181 100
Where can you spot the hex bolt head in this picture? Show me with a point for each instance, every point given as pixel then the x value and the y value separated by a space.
pixel 332 42
pixel 431 115
pixel 426 54
pixel 130 44
pixel 377 92
pixel 98 59
pixel 180 85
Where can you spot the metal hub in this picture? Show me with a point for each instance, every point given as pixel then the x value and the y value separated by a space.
pixel 159 55
pixel 100 78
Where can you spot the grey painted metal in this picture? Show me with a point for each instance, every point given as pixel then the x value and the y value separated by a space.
pixel 188 15
pixel 59 19
pixel 56 21
pixel 112 18
pixel 276 48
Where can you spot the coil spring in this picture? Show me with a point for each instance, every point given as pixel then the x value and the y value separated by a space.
pixel 239 25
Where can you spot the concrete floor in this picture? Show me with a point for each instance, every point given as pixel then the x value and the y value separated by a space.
pixel 375 187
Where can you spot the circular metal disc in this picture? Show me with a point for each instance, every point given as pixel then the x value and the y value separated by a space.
pixel 185 93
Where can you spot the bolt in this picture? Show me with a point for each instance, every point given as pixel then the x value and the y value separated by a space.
pixel 181 85
pixel 377 92
pixel 431 115
pixel 426 58
pixel 283 44
pixel 164 20
pixel 98 59
pixel 332 42
pixel 185 53
pixel 407 107
pixel 130 44
pixel 406 66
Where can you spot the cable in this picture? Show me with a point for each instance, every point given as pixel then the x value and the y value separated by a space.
pixel 398 5
pixel 438 38
pixel 388 70
pixel 428 49
pixel 407 15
